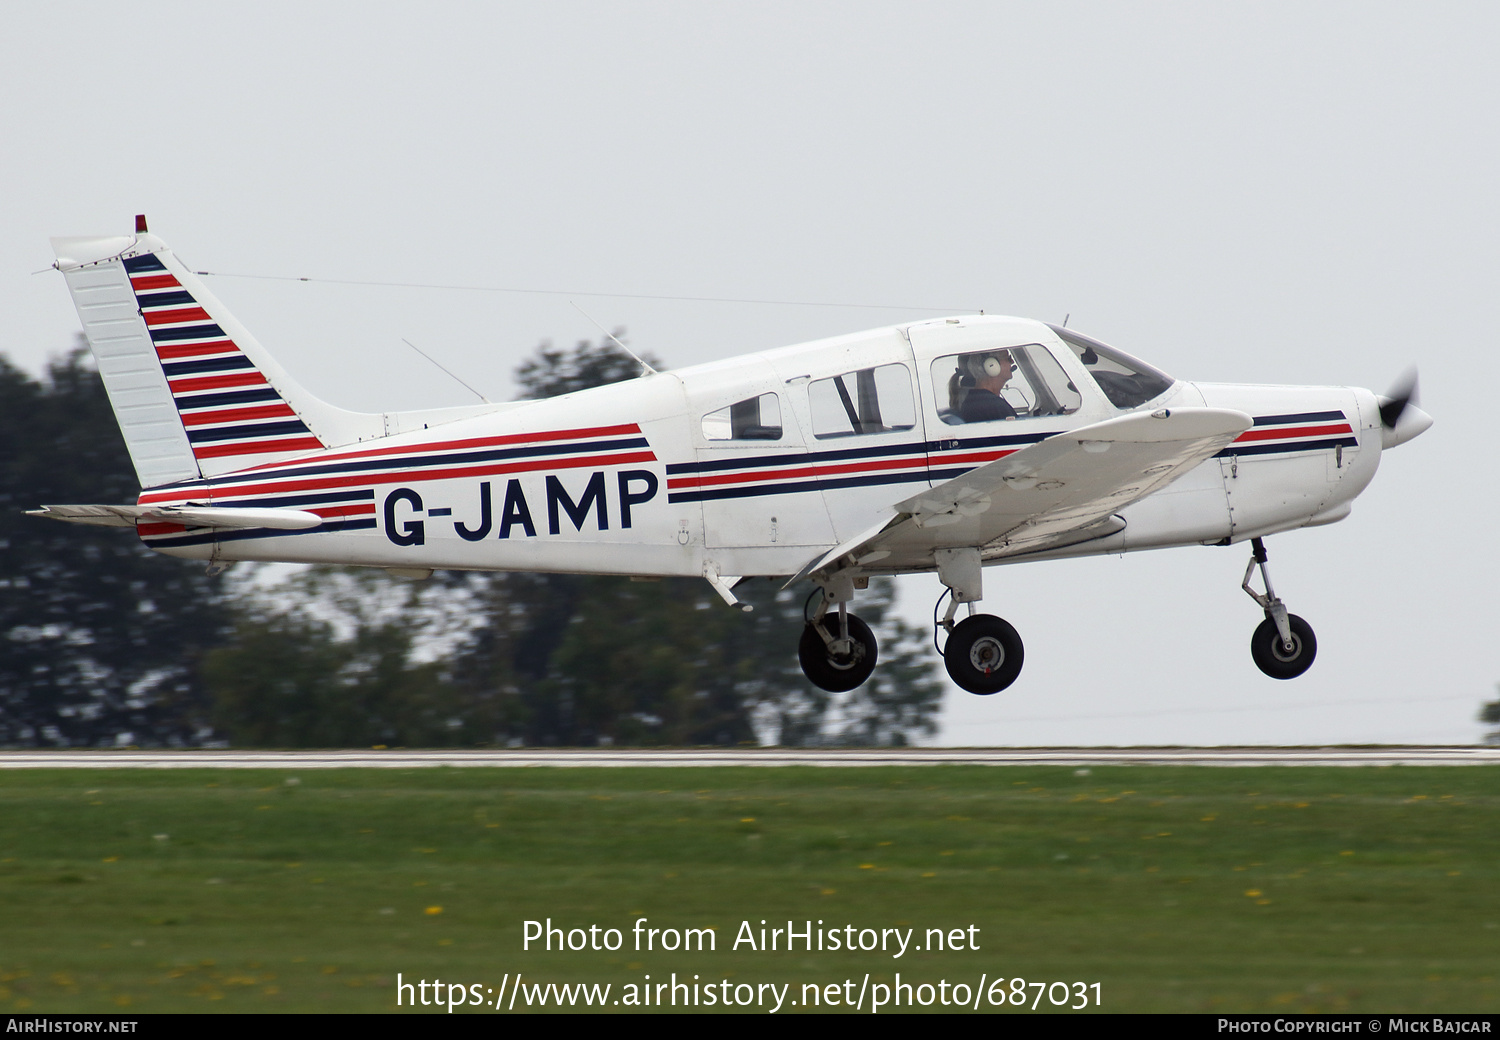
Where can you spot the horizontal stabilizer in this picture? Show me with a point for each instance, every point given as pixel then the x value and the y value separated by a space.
pixel 187 516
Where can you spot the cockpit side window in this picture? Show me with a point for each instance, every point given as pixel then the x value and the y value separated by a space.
pixel 1126 381
pixel 1021 382
pixel 753 419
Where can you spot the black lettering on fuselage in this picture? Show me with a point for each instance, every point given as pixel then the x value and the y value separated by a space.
pixel 593 495
pixel 627 499
pixel 516 511
pixel 635 487
pixel 486 517
pixel 412 532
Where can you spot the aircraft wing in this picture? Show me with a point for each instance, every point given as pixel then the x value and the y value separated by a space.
pixel 1059 491
pixel 188 516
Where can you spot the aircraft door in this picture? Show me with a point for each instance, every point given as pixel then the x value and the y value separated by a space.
pixel 858 404
pixel 987 392
pixel 761 510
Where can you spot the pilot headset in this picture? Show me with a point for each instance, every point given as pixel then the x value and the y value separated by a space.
pixel 983 365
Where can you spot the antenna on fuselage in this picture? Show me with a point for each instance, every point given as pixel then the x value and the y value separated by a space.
pixel 1065 319
pixel 645 368
pixel 457 380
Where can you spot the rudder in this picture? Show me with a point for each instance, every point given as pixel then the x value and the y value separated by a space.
pixel 193 392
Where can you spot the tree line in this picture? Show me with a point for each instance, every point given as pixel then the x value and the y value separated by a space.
pixel 103 642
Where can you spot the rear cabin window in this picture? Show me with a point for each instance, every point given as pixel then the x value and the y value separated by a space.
pixel 753 419
pixel 871 400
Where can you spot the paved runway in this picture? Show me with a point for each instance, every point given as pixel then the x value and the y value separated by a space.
pixel 617 757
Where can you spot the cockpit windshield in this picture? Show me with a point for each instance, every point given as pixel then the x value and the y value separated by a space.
pixel 1127 382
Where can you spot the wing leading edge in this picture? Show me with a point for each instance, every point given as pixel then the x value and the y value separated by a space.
pixel 1043 496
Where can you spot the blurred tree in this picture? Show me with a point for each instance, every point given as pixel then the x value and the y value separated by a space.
pixel 554 372
pixel 590 660
pixel 99 637
pixel 1490 715
pixel 333 657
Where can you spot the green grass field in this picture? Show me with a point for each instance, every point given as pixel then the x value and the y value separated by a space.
pixel 1175 889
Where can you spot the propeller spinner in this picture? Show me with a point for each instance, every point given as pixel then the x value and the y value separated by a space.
pixel 1400 418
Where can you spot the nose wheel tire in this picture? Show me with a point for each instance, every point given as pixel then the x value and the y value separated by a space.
pixel 837 673
pixel 984 654
pixel 1272 656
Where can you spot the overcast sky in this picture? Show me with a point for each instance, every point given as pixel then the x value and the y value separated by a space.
pixel 1270 193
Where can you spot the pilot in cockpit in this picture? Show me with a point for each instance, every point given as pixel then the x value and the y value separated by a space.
pixel 974 390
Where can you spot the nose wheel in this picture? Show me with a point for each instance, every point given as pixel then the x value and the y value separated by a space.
pixel 983 654
pixel 1272 655
pixel 1283 645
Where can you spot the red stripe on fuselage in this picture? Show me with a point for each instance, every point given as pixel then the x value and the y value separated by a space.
pixel 822 469
pixel 219 451
pixel 287 486
pixel 472 442
pixel 979 458
pixel 816 470
pixel 1293 431
pixel 358 509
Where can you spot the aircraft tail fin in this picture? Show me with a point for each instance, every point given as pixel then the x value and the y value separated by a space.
pixel 194 393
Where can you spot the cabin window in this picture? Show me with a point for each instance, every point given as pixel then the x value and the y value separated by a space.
pixel 1023 382
pixel 1127 382
pixel 871 400
pixel 753 419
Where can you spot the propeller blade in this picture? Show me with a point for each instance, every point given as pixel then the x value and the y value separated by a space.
pixel 1396 400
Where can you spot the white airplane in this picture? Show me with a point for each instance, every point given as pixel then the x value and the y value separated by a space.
pixel 946 445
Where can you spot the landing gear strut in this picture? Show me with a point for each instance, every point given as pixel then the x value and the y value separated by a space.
pixel 837 651
pixel 984 653
pixel 1283 645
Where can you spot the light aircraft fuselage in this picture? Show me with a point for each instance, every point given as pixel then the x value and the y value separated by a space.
pixel 943 445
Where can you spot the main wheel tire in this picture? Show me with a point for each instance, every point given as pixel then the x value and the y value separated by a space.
pixel 1273 659
pixel 984 654
pixel 837 673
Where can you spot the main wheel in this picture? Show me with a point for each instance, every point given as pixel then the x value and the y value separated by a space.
pixel 837 672
pixel 984 654
pixel 1273 658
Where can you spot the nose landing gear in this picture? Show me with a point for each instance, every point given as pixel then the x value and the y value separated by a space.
pixel 983 654
pixel 1283 645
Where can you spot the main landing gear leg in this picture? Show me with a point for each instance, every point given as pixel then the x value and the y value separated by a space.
pixel 1283 645
pixel 837 652
pixel 983 653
